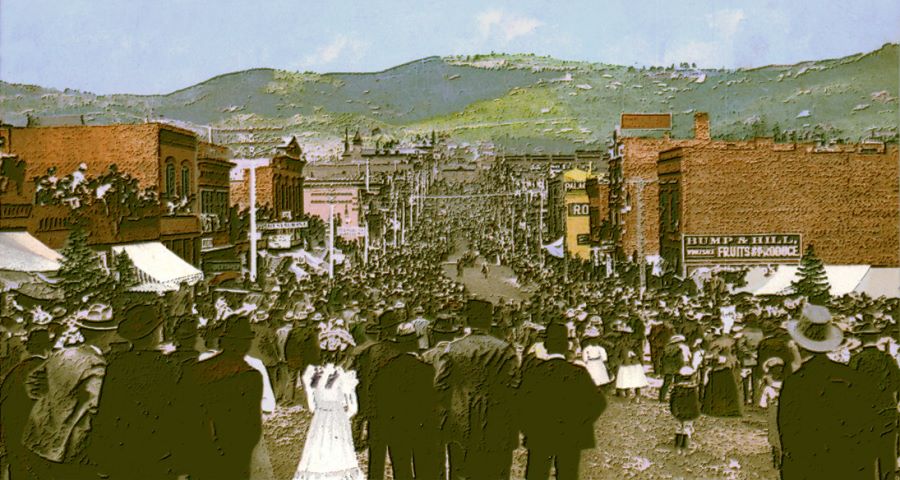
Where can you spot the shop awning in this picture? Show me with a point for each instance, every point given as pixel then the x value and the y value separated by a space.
pixel 158 268
pixel 842 279
pixel 20 252
pixel 880 282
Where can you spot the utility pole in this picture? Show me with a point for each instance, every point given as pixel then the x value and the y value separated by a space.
pixel 639 183
pixel 541 226
pixel 331 238
pixel 253 222
pixel 366 247
pixel 403 221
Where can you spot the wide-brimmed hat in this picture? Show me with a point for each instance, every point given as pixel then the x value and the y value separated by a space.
pixel 815 331
pixel 98 317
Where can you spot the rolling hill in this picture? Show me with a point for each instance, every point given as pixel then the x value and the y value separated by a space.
pixel 515 100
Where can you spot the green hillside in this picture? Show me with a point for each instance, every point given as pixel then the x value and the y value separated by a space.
pixel 513 99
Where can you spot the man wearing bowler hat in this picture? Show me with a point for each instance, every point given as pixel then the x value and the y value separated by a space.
pixel 134 425
pixel 825 415
pixel 477 377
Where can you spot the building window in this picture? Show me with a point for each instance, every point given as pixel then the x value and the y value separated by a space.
pixel 185 180
pixel 171 188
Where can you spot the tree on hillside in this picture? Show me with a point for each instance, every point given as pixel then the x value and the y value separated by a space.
pixel 84 280
pixel 812 282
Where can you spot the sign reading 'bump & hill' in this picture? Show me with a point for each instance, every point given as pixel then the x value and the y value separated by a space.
pixel 781 248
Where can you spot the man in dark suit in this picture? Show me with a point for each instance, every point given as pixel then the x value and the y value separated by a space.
pixel 560 406
pixel 828 426
pixel 15 404
pixel 231 397
pixel 404 414
pixel 369 360
pixel 477 378
pixel 882 371
pixel 134 429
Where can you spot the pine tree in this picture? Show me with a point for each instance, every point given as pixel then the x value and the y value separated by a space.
pixel 83 277
pixel 813 283
pixel 126 276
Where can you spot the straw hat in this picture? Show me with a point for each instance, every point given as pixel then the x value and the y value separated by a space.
pixel 815 330
pixel 98 317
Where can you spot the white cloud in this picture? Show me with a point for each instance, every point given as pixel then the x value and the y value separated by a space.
pixel 341 47
pixel 726 22
pixel 507 26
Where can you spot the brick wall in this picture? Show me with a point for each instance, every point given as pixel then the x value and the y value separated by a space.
pixel 133 148
pixel 598 198
pixel 639 163
pixel 845 203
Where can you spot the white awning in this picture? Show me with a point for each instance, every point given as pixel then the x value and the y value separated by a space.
pixel 159 269
pixel 880 282
pixel 20 252
pixel 842 279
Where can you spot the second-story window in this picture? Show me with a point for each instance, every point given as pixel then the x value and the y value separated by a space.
pixel 171 188
pixel 185 180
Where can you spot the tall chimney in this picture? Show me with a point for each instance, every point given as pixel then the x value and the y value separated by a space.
pixel 701 126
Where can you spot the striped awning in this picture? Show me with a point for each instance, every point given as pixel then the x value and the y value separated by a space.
pixel 158 268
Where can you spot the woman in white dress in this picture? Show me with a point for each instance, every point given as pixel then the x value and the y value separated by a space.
pixel 328 453
pixel 630 377
pixel 594 356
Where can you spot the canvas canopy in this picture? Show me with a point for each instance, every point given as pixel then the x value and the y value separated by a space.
pixel 158 268
pixel 842 279
pixel 880 282
pixel 20 252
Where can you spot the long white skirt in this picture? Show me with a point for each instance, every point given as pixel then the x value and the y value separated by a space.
pixel 328 453
pixel 631 376
pixel 597 369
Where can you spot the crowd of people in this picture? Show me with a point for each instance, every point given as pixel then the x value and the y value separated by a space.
pixel 397 358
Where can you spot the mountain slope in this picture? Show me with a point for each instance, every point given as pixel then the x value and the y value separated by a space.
pixel 506 98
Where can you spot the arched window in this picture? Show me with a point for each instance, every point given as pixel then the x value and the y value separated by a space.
pixel 185 180
pixel 170 187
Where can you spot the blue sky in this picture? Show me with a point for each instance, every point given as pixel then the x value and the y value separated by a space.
pixel 157 46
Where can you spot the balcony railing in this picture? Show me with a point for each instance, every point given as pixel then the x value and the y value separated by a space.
pixel 20 210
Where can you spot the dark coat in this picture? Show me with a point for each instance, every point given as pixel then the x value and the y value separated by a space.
pixel 658 338
pixel 134 430
pixel 231 398
pixel 882 371
pixel 15 406
pixel 478 377
pixel 302 347
pixel 826 421
pixel 560 404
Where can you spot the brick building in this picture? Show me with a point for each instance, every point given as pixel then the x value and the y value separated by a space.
pixel 843 199
pixel 661 188
pixel 597 188
pixel 633 181
pixel 161 157
pixel 219 246
pixel 279 181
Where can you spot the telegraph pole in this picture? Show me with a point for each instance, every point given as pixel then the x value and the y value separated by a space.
pixel 253 222
pixel 331 238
